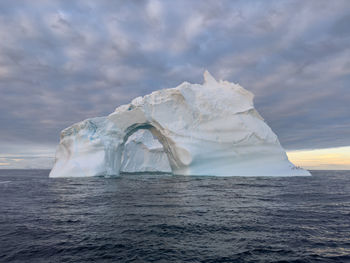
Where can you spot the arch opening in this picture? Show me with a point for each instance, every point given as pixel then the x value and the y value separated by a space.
pixel 146 150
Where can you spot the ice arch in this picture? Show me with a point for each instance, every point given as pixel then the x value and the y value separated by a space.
pixel 94 147
pixel 144 153
pixel 168 145
pixel 208 129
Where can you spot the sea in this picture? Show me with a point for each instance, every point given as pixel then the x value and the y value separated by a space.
pixel 167 218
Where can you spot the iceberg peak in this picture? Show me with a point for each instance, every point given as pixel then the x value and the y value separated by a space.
pixel 208 78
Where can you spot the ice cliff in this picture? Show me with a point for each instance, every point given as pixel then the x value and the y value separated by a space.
pixel 193 129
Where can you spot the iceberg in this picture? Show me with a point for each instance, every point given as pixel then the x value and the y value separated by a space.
pixel 194 129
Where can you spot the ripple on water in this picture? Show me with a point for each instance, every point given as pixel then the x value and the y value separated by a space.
pixel 153 218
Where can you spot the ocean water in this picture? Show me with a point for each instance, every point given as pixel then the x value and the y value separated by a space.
pixel 163 218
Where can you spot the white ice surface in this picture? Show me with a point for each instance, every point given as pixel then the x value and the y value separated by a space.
pixel 208 129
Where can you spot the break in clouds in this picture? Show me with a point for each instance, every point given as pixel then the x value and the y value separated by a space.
pixel 65 61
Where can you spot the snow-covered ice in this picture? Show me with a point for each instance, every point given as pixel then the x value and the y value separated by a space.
pixel 193 129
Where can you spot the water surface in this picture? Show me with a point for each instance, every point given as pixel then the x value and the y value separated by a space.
pixel 162 218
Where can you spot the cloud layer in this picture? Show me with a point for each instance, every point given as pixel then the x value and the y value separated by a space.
pixel 64 61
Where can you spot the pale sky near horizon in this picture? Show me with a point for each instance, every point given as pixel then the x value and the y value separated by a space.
pixel 65 61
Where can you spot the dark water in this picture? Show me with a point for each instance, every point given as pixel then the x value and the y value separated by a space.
pixel 155 218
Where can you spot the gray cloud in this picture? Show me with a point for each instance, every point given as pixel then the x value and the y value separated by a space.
pixel 64 61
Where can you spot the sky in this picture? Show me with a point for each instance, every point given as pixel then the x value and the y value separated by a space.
pixel 65 61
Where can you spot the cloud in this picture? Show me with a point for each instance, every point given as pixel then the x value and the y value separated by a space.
pixel 63 61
